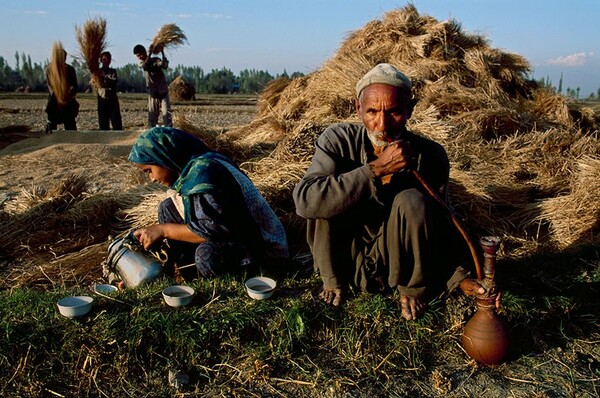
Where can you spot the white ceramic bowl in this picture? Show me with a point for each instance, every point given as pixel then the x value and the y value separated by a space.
pixel 178 295
pixel 102 288
pixel 75 306
pixel 260 287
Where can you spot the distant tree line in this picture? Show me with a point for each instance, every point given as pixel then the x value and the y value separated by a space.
pixel 569 92
pixel 28 76
pixel 32 76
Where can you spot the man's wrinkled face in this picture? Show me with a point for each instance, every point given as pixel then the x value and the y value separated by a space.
pixel 384 110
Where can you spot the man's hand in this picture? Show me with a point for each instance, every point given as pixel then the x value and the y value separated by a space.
pixel 332 296
pixel 395 157
pixel 471 287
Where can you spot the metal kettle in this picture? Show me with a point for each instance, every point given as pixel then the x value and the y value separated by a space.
pixel 134 264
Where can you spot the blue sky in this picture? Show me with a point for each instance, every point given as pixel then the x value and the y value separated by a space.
pixel 556 36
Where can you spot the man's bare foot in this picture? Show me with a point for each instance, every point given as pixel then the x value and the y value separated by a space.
pixel 412 307
pixel 332 296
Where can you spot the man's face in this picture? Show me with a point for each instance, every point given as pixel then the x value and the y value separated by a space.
pixel 141 56
pixel 159 174
pixel 384 110
pixel 105 59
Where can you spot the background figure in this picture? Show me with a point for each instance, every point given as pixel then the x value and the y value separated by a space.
pixel 156 83
pixel 109 111
pixel 66 110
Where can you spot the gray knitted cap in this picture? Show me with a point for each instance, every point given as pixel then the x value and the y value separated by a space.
pixel 385 74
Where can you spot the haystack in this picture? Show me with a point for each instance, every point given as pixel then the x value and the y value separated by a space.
pixel 180 90
pixel 92 42
pixel 479 102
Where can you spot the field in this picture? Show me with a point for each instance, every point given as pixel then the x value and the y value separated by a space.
pixel 225 344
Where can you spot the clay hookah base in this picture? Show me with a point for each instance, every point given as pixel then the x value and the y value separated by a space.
pixel 485 337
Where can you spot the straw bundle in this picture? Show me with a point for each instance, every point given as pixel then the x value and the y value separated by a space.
pixel 575 218
pixel 57 74
pixel 92 42
pixel 169 35
pixel 229 148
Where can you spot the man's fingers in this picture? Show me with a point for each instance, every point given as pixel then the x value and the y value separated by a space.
pixel 499 300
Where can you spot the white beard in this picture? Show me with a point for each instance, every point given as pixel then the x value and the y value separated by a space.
pixel 378 139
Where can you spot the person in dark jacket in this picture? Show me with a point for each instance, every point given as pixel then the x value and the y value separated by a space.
pixel 109 111
pixel 158 90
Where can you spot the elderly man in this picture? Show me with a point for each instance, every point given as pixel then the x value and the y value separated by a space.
pixel 369 221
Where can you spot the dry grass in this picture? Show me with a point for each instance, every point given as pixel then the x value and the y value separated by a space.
pixel 168 36
pixel 513 146
pixel 57 74
pixel 91 38
pixel 575 217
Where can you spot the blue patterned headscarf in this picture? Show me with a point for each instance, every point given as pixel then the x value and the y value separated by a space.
pixel 200 169
pixel 166 147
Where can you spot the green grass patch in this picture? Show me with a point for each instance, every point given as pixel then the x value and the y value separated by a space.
pixel 292 344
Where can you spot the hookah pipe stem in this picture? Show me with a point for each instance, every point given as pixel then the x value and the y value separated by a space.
pixel 455 221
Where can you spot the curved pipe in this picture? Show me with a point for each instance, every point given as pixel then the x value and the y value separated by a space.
pixel 455 221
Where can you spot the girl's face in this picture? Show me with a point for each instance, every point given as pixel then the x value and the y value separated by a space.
pixel 159 174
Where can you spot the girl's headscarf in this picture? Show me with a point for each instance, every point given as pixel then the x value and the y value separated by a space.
pixel 166 147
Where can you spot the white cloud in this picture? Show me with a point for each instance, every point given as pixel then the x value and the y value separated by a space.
pixel 577 59
pixel 221 49
pixel 216 16
pixel 40 12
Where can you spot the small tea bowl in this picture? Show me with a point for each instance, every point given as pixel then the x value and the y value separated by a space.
pixel 75 306
pixel 178 295
pixel 102 288
pixel 260 287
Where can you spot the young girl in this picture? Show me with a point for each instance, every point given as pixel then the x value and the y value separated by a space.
pixel 215 217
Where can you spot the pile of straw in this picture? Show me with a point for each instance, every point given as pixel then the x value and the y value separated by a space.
pixel 58 234
pixel 57 74
pixel 511 142
pixel 575 217
pixel 180 90
pixel 169 35
pixel 92 42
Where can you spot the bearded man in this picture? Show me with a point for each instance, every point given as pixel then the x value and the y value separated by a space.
pixel 370 223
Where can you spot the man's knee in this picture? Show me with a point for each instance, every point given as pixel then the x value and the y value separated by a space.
pixel 410 202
